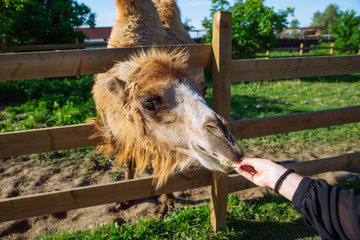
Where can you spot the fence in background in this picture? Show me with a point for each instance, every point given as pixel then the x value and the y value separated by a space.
pixel 225 71
pixel 301 50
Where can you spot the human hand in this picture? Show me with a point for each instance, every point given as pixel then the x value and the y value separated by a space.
pixel 262 172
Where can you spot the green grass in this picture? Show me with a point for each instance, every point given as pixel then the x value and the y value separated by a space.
pixel 271 98
pixel 32 104
pixel 38 103
pixel 270 217
pixel 313 52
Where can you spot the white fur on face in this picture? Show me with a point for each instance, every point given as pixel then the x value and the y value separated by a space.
pixel 192 112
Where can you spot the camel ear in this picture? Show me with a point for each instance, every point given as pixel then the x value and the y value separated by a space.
pixel 116 87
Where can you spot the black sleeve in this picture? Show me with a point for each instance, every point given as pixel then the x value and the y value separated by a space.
pixel 333 212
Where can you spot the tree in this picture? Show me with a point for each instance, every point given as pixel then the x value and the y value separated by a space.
pixel 347 30
pixel 294 24
pixel 326 19
pixel 187 26
pixel 254 25
pixel 43 21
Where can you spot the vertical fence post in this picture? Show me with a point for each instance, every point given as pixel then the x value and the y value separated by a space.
pixel 301 49
pixel 221 63
pixel 2 45
pixel 221 78
pixel 268 52
pixel 332 48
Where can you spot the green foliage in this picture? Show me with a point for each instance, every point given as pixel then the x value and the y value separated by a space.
pixel 347 30
pixel 326 19
pixel 43 22
pixel 294 23
pixel 351 183
pixel 270 217
pixel 46 102
pixel 186 24
pixel 324 51
pixel 254 25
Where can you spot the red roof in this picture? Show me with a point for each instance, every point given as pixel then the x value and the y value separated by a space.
pixel 96 33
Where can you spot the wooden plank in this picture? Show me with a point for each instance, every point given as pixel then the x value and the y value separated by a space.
pixel 221 80
pixel 219 194
pixel 45 203
pixel 19 66
pixel 266 69
pixel 46 140
pixel 76 136
pixel 221 63
pixel 307 168
pixel 294 122
pixel 52 47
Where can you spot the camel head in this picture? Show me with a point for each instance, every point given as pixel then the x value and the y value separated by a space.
pixel 153 109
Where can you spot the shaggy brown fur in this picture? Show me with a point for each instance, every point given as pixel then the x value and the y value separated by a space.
pixel 123 128
pixel 137 24
pixel 170 17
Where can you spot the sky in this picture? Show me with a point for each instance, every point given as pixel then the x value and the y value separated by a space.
pixel 197 10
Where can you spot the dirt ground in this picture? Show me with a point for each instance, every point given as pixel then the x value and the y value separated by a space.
pixel 20 178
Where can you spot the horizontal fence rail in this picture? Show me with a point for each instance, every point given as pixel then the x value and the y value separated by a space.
pixel 267 69
pixel 39 204
pixel 53 202
pixel 294 122
pixel 20 66
pixel 77 136
pixel 46 140
pixel 51 47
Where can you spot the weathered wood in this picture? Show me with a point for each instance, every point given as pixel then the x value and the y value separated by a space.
pixel 52 47
pixel 46 140
pixel 19 66
pixel 266 69
pixel 76 136
pixel 221 79
pixel 307 168
pixel 294 122
pixel 221 63
pixel 345 161
pixel 219 194
pixel 45 203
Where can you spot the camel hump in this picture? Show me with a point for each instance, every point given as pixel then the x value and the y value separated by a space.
pixel 133 7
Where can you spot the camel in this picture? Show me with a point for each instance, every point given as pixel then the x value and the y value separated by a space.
pixel 151 105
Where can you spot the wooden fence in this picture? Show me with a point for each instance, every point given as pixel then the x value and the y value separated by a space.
pixel 225 71
pixel 51 47
pixel 301 50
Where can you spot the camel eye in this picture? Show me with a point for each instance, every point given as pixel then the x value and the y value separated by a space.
pixel 149 105
pixel 152 104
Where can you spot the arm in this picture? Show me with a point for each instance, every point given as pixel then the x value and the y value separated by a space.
pixel 333 212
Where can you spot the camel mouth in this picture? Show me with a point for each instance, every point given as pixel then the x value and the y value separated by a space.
pixel 219 160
